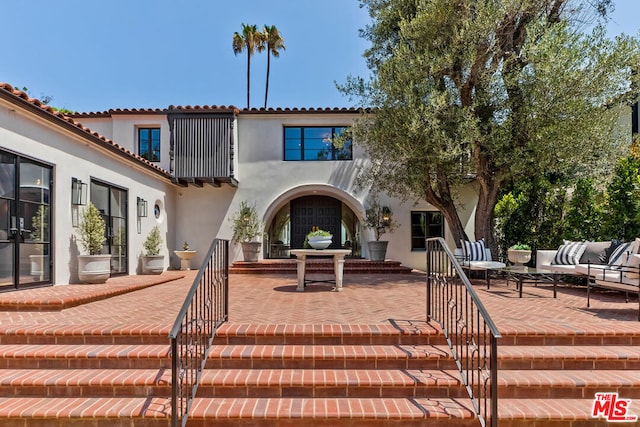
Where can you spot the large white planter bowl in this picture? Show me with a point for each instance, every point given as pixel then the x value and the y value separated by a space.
pixel 320 242
pixel 519 257
pixel 152 264
pixel 94 269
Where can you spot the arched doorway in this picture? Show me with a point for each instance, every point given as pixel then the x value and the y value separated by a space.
pixel 295 219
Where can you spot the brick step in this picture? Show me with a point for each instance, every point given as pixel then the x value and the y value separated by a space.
pixel 330 383
pixel 326 412
pixel 84 334
pixel 85 411
pixel 233 383
pixel 401 332
pixel 569 357
pixel 85 382
pixel 594 338
pixel 552 412
pixel 576 384
pixel 84 356
pixel 319 266
pixel 329 357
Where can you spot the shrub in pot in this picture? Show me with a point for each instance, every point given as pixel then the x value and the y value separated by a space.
pixel 519 254
pixel 152 261
pixel 94 267
pixel 380 220
pixel 246 227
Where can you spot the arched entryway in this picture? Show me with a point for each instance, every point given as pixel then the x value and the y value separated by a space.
pixel 297 216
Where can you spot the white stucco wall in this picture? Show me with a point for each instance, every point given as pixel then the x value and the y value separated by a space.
pixel 73 157
pixel 123 130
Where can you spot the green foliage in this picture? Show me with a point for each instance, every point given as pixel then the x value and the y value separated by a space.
pixel 583 220
pixel 246 224
pixel 92 230
pixel 532 211
pixel 380 219
pixel 520 247
pixel 622 215
pixel 153 241
pixel 487 92
pixel 316 232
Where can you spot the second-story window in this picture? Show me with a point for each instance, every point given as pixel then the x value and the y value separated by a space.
pixel 314 143
pixel 149 144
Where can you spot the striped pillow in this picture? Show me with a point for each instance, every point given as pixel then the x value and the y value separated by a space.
pixel 474 251
pixel 569 253
pixel 619 256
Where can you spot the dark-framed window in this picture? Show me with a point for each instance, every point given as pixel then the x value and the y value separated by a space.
pixel 149 144
pixel 315 143
pixel 425 224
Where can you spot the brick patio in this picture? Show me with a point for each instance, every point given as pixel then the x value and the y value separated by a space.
pixel 554 354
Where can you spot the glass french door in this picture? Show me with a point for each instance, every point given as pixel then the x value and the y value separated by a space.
pixel 25 223
pixel 112 203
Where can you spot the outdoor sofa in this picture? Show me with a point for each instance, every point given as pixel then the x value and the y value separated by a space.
pixel 611 265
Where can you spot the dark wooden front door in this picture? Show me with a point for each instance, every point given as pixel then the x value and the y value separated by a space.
pixel 315 211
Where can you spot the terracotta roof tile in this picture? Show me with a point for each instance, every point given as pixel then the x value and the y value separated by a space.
pixel 7 88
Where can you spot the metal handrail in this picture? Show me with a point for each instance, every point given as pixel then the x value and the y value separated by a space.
pixel 205 308
pixel 469 330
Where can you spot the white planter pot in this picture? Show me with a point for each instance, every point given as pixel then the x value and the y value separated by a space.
pixel 39 264
pixel 250 251
pixel 320 242
pixel 94 268
pixel 152 264
pixel 519 257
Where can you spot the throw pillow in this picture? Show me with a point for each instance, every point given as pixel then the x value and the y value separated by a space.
pixel 474 251
pixel 569 253
pixel 593 252
pixel 619 256
pixel 607 253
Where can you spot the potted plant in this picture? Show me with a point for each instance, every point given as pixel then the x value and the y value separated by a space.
pixel 246 227
pixel 519 254
pixel 380 220
pixel 185 256
pixel 152 261
pixel 318 239
pixel 94 267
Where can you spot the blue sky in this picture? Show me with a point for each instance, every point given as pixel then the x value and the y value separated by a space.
pixel 96 55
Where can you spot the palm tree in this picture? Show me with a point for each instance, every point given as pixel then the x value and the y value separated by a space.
pixel 274 42
pixel 250 39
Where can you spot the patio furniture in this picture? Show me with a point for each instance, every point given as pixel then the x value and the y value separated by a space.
pixel 338 265
pixel 527 274
pixel 483 266
pixel 624 279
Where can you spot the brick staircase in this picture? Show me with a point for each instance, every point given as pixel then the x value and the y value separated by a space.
pixel 319 266
pixel 391 374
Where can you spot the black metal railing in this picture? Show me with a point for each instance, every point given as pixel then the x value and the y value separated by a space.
pixel 205 308
pixel 471 334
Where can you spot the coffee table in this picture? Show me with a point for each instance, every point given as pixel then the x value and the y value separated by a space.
pixel 529 274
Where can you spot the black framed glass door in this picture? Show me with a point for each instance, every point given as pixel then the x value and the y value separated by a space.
pixel 25 219
pixel 112 203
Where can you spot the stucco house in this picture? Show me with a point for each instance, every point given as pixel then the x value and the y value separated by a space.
pixel 185 169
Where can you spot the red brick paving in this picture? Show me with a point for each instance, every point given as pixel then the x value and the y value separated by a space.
pixel 381 303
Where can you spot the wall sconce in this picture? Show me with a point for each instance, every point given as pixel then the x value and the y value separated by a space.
pixel 386 214
pixel 78 192
pixel 142 208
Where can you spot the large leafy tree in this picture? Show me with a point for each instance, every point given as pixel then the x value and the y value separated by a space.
pixel 273 42
pixel 250 40
pixel 477 93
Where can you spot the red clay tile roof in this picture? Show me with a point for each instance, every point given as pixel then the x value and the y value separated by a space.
pixel 221 109
pixel 65 120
